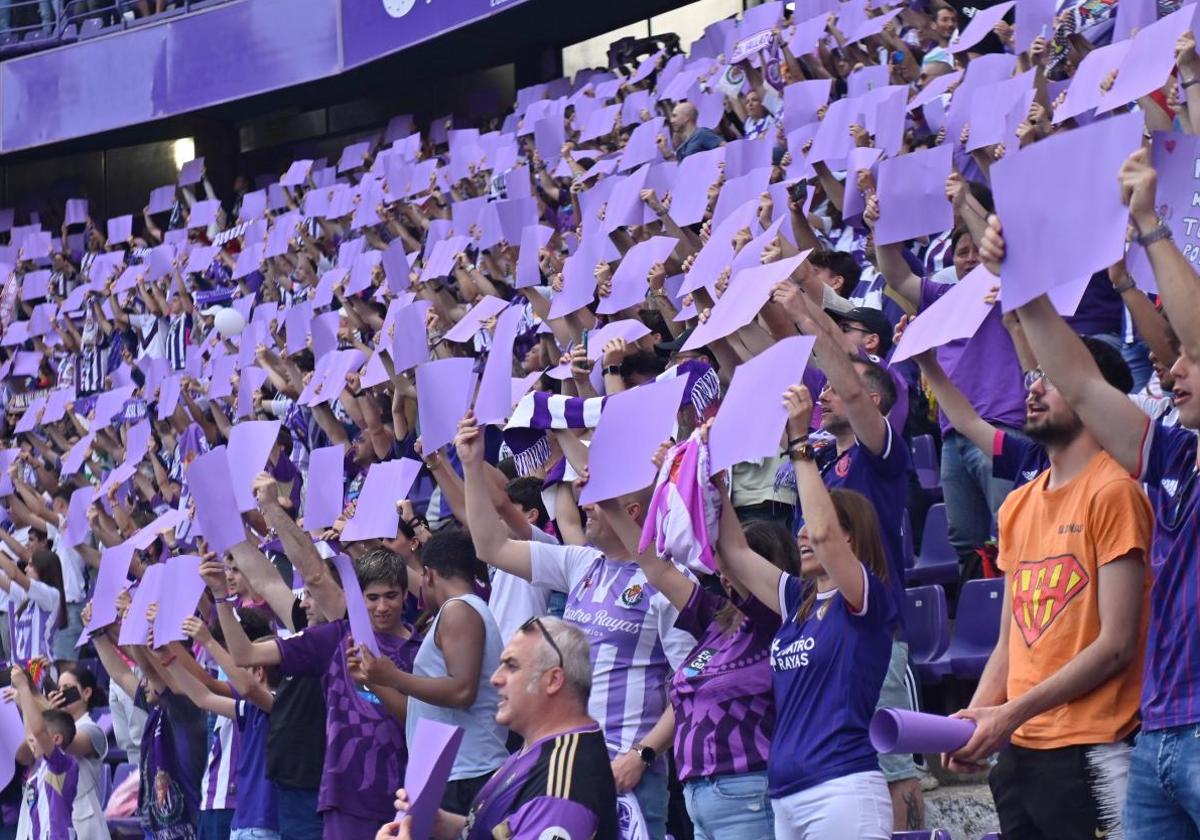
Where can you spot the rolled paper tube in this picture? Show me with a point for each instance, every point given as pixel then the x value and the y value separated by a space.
pixel 904 731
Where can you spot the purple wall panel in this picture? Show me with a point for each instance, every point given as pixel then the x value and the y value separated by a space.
pixel 221 54
pixel 252 47
pixel 370 30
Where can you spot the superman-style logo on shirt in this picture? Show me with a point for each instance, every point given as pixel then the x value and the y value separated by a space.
pixel 1042 590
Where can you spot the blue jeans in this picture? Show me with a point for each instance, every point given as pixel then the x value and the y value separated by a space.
pixel 651 794
pixel 298 817
pixel 1137 356
pixel 66 638
pixel 730 807
pixel 45 12
pixel 1164 785
pixel 972 495
pixel 253 834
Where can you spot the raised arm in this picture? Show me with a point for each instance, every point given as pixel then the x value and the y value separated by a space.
pixel 963 416
pixel 300 550
pixel 821 526
pixel 890 260
pixel 662 574
pixel 755 573
pixel 1173 274
pixel 31 711
pixel 1118 424
pixel 488 531
pixel 265 579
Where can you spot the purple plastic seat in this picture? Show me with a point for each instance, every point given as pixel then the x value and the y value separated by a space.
pixel 927 834
pixel 995 835
pixel 937 561
pixel 90 27
pixel 977 626
pixel 927 625
pixel 121 774
pixel 925 461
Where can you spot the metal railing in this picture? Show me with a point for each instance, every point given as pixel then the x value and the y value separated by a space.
pixel 28 25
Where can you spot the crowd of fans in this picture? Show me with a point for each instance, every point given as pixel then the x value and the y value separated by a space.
pixel 586 429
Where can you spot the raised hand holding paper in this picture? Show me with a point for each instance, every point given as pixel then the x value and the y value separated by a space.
pixel 356 607
pixel 430 759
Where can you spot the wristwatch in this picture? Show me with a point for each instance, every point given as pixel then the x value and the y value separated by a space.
pixel 646 754
pixel 612 370
pixel 1160 232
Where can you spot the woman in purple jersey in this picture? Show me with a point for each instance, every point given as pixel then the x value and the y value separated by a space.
pixel 724 707
pixel 37 608
pixel 828 658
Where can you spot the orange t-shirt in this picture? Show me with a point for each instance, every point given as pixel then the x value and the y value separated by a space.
pixel 1052 545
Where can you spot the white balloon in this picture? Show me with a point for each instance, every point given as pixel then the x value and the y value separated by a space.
pixel 229 322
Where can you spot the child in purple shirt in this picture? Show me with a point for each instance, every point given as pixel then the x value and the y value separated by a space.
pixel 50 788
pixel 250 706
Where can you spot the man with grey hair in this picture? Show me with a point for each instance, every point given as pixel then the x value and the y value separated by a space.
pixel 560 784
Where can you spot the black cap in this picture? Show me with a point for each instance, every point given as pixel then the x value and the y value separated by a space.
pixel 666 348
pixel 875 322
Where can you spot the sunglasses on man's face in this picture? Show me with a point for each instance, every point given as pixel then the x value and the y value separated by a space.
pixel 534 621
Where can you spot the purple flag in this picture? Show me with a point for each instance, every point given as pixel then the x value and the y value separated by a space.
pixel 210 485
pixel 632 425
pixel 375 513
pixel 178 596
pixel 912 195
pixel 323 489
pixel 356 606
pixel 493 403
pixel 432 753
pixel 1079 168
pixel 444 390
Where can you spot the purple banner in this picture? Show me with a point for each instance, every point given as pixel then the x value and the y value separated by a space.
pixel 373 28
pixel 199 60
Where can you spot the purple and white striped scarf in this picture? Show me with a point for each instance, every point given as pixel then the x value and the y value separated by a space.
pixel 540 411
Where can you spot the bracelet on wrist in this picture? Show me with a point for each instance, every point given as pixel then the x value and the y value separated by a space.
pixel 1128 285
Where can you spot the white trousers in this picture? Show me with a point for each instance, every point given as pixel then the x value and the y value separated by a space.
pixel 855 806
